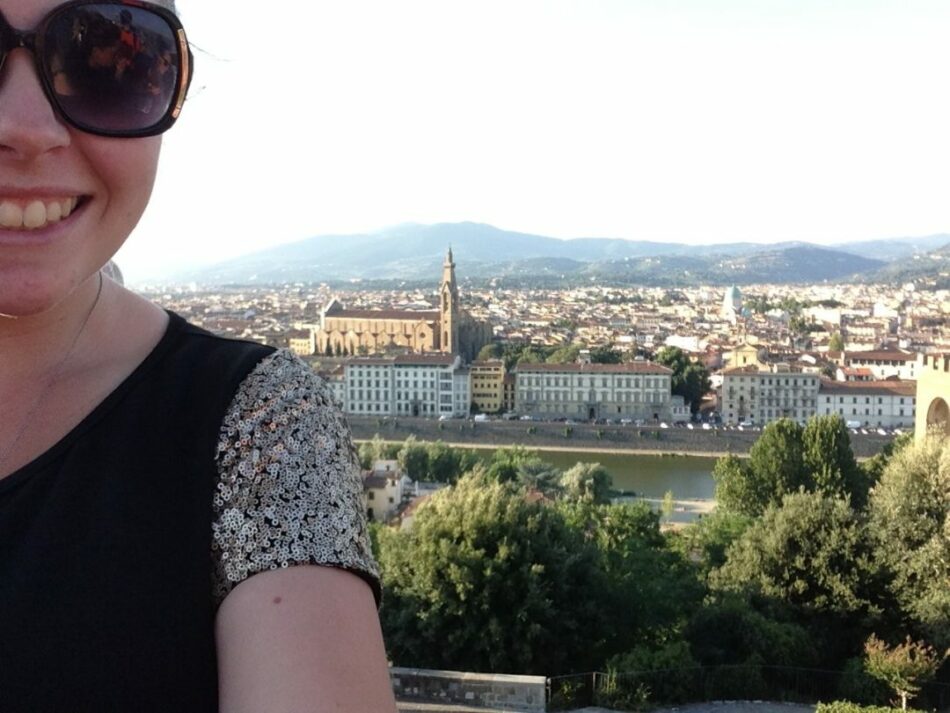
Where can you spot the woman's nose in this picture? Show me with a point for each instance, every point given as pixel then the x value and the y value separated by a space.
pixel 29 126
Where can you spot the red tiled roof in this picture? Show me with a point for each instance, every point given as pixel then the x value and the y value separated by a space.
pixel 635 367
pixel 882 355
pixel 854 388
pixel 393 314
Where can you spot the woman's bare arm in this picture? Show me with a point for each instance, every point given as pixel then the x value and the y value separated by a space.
pixel 304 639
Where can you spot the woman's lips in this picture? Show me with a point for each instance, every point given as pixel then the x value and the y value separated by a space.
pixel 36 213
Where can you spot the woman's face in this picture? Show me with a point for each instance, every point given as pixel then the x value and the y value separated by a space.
pixel 48 169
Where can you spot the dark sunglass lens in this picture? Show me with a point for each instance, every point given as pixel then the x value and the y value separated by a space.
pixel 112 67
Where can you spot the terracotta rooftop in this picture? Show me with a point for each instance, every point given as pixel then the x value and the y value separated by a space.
pixel 898 388
pixel 394 314
pixel 882 355
pixel 636 367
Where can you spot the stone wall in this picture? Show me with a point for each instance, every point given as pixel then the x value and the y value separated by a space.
pixel 540 434
pixel 477 690
pixel 933 395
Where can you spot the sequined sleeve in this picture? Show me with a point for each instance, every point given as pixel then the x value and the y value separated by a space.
pixel 289 489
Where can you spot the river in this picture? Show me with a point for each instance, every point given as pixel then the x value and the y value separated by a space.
pixel 651 476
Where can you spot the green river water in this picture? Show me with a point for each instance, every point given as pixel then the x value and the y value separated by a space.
pixel 651 476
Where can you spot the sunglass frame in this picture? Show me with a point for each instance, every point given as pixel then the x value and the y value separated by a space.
pixel 34 40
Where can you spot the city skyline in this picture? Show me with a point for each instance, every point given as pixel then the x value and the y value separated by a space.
pixel 692 122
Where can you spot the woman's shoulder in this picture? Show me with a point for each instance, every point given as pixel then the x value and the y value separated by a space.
pixel 289 489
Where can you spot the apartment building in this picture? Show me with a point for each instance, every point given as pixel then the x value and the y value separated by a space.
pixel 762 393
pixel 887 404
pixel 488 385
pixel 884 363
pixel 407 385
pixel 301 342
pixel 592 391
pixel 383 489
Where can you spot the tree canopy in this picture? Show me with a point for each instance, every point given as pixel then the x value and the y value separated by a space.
pixel 690 379
pixel 488 581
pixel 910 524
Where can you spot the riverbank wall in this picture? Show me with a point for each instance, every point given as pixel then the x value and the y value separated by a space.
pixel 578 437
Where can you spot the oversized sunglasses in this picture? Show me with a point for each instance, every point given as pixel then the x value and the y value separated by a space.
pixel 112 68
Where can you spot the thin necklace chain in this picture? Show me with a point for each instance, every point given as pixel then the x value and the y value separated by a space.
pixel 54 373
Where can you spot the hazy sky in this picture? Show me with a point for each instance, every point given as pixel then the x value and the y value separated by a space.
pixel 685 120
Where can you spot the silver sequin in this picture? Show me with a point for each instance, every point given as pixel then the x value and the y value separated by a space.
pixel 289 489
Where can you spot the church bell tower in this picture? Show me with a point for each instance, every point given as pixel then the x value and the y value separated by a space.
pixel 449 307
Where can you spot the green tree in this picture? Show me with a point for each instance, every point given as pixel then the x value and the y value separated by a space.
pixel 707 540
pixel 413 458
pixel 836 343
pixel 589 482
pixel 487 581
pixel 874 467
pixel 829 460
pixel 651 590
pixel 490 352
pixel 373 450
pixel 787 458
pixel 532 355
pixel 811 552
pixel 443 463
pixel 564 355
pixel 777 458
pixel 728 631
pixel 690 379
pixel 506 464
pixel 536 474
pixel 903 667
pixel 605 355
pixel 910 525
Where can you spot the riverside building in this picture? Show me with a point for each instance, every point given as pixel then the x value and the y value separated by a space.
pixel 759 394
pixel 488 385
pixel 407 385
pixel 638 390
pixel 887 404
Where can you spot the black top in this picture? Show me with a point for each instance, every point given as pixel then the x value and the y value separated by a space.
pixel 105 586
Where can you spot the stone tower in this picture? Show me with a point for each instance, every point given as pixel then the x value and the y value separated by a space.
pixel 449 306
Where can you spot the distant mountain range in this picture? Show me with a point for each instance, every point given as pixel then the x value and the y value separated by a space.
pixel 413 253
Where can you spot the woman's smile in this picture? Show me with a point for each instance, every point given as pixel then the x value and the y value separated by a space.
pixel 35 213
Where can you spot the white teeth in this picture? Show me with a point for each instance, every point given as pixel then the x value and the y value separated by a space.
pixel 35 214
pixel 11 215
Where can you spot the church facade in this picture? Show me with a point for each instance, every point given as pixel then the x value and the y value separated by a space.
pixel 449 329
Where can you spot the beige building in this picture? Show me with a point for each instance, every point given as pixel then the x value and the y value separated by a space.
pixel 593 391
pixel 383 489
pixel 759 394
pixel 745 356
pixel 488 385
pixel 302 342
pixel 449 329
pixel 933 396
pixel 881 404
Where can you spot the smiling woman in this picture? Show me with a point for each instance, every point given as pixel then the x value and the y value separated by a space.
pixel 180 515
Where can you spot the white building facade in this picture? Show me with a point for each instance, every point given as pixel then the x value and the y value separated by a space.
pixel 594 391
pixel 427 385
pixel 885 363
pixel 880 404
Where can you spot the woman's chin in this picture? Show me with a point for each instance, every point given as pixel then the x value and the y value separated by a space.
pixel 31 298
